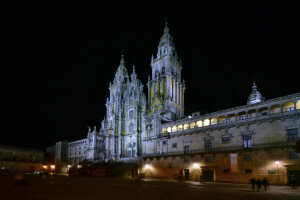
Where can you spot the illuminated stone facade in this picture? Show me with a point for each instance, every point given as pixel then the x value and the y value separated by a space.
pixel 231 145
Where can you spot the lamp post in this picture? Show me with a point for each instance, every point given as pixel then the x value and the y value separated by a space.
pixel 277 163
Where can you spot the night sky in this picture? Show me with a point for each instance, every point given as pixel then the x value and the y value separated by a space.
pixel 58 58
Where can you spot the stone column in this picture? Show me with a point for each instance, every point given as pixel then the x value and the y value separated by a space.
pixel 170 88
pixel 178 94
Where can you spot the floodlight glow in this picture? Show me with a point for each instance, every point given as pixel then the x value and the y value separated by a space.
pixel 196 165
pixel 277 162
pixel 147 167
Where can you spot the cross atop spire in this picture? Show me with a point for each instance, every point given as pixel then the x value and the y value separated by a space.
pixel 166 20
pixel 122 62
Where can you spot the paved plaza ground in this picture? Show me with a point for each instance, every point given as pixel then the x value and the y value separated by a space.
pixel 83 188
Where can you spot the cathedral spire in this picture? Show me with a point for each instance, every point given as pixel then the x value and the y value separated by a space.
pixel 121 73
pixel 133 75
pixel 166 45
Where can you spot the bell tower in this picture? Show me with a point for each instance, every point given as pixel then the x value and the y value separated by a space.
pixel 166 88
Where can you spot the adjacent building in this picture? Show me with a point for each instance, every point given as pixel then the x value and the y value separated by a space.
pixel 14 158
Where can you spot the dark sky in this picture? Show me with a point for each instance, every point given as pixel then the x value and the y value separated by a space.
pixel 59 57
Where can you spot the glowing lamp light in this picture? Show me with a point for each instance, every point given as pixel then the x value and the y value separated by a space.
pixel 277 162
pixel 45 167
pixel 78 166
pixel 147 167
pixel 52 166
pixel 69 166
pixel 196 165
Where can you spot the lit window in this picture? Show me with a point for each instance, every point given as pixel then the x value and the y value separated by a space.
pixel 242 117
pixel 174 128
pixel 163 130
pixel 225 120
pixel 192 125
pixel 169 129
pixel 247 141
pixel 180 128
pixel 185 126
pixel 199 123
pixel 290 108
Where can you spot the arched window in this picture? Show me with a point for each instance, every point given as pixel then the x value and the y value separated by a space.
pixel 174 128
pixel 130 115
pixel 192 125
pixel 131 128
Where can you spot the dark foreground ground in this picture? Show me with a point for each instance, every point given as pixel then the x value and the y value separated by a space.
pixel 81 188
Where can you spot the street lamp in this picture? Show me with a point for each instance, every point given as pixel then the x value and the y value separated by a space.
pixel 277 163
pixel 196 165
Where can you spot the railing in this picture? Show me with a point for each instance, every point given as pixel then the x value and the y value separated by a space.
pixel 222 149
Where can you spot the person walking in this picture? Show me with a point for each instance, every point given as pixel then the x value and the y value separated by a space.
pixel 258 183
pixel 253 181
pixel 265 183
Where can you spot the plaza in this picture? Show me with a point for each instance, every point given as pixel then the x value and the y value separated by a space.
pixel 64 188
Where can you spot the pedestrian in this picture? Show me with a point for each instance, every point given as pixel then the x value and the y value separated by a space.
pixel 292 182
pixel 258 183
pixel 253 181
pixel 265 183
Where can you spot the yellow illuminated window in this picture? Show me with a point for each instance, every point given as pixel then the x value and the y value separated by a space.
pixel 206 122
pixel 199 123
pixel 180 128
pixel 169 129
pixel 174 128
pixel 192 125
pixel 185 126
pixel 163 130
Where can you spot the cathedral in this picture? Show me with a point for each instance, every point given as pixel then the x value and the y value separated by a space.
pixel 254 140
pixel 130 116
